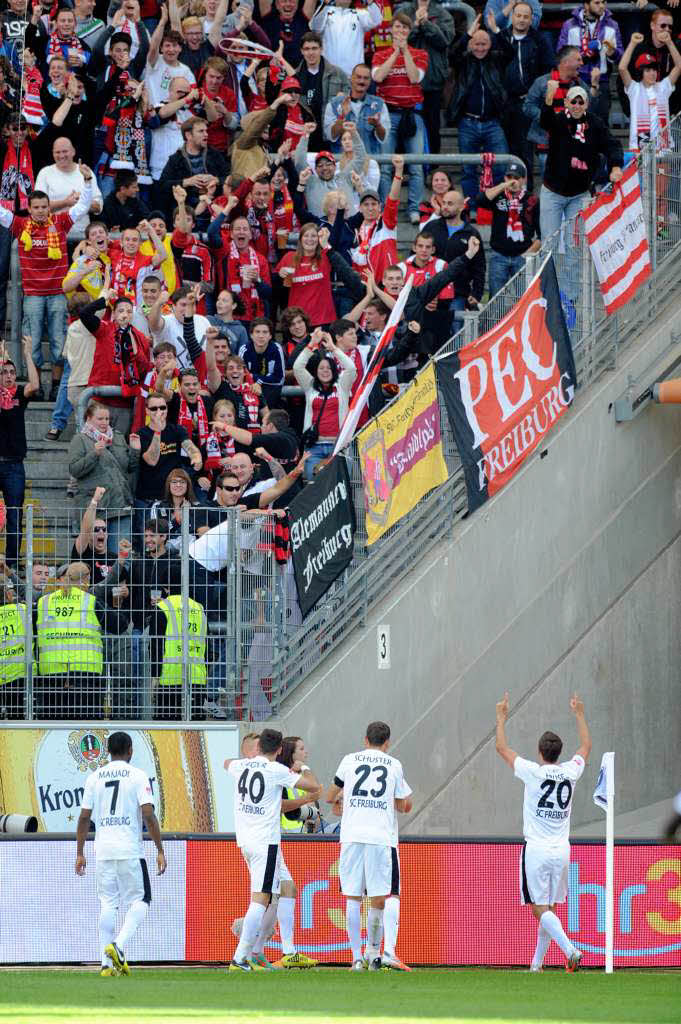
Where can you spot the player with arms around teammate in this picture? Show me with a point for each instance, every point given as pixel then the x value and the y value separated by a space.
pixel 373 787
pixel 118 796
pixel 547 805
pixel 259 783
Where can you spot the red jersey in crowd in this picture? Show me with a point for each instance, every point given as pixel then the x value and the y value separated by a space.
pixel 377 242
pixel 128 272
pixel 220 137
pixel 310 287
pixel 419 275
pixel 43 253
pixel 230 262
pixel 328 425
pixel 396 90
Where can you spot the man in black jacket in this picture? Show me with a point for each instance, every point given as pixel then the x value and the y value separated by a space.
pixel 478 98
pixel 195 166
pixel 577 140
pixel 451 235
pixel 528 54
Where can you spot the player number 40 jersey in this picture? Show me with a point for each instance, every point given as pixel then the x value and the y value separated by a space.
pixel 548 799
pixel 257 799
pixel 371 780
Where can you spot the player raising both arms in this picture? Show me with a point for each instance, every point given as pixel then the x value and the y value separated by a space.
pixel 545 860
pixel 373 787
pixel 257 809
pixel 118 796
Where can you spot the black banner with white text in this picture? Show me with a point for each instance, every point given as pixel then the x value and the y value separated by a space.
pixel 322 521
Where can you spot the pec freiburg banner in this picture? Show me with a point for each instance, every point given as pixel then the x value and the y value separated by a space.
pixel 507 389
pixel 322 519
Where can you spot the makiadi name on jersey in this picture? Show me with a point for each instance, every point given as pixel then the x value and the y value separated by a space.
pixel 360 801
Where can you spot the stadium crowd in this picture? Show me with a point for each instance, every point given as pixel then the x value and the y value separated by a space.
pixel 191 200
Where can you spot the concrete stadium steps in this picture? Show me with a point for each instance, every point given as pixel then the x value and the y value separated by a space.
pixel 565 581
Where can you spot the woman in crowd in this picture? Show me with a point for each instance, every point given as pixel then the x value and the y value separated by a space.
pixel 439 184
pixel 307 273
pixel 177 493
pixel 327 396
pixel 100 457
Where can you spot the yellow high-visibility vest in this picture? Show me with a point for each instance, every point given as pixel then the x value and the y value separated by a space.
pixel 12 642
pixel 68 633
pixel 288 824
pixel 171 674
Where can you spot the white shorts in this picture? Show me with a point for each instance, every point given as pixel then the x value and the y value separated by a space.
pixel 265 867
pixel 284 873
pixel 544 874
pixel 366 868
pixel 122 881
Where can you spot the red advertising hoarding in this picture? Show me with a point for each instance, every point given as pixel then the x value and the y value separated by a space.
pixel 460 903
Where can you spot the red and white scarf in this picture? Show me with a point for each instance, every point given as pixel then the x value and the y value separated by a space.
pixel 252 404
pixel 32 106
pixel 218 446
pixel 7 398
pixel 561 92
pixel 185 418
pixel 514 226
pixel 17 177
pixel 89 430
pixel 58 47
pixel 647 111
pixel 250 299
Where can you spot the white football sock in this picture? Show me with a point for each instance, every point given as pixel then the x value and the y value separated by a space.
pixel 552 925
pixel 249 931
pixel 266 927
pixel 352 923
pixel 543 943
pixel 391 922
pixel 133 919
pixel 286 918
pixel 107 930
pixel 374 931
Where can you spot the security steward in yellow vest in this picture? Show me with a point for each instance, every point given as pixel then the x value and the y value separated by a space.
pixel 13 634
pixel 69 647
pixel 167 657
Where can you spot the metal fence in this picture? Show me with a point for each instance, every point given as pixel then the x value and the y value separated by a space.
pixel 256 647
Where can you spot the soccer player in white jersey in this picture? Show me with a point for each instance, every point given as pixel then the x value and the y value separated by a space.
pixel 545 860
pixel 257 812
pixel 373 787
pixel 118 796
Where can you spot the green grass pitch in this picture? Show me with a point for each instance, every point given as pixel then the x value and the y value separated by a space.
pixel 189 996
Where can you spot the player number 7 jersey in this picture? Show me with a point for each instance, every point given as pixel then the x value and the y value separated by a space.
pixel 371 780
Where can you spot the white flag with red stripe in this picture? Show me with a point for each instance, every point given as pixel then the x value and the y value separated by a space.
pixel 361 397
pixel 616 233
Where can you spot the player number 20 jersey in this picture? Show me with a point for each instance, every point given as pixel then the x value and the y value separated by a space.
pixel 370 780
pixel 257 799
pixel 548 799
pixel 115 794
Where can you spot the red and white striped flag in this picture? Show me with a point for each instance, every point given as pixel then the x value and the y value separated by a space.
pixel 361 397
pixel 616 233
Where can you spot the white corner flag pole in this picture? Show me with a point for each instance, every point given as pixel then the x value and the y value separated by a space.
pixel 604 797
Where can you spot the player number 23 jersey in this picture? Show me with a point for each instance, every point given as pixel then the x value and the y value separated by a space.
pixel 257 799
pixel 115 794
pixel 370 780
pixel 548 798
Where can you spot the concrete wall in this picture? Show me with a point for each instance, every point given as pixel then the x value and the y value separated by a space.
pixel 567 580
